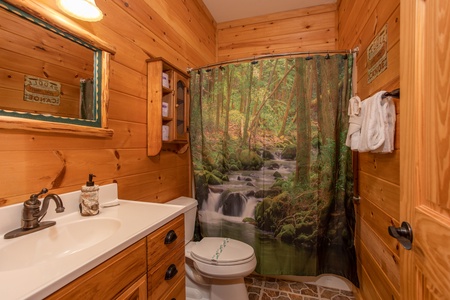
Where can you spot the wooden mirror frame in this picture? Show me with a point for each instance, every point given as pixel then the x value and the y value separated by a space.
pixel 55 19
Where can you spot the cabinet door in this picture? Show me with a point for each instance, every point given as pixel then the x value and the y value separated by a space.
pixel 138 291
pixel 181 107
pixel 109 279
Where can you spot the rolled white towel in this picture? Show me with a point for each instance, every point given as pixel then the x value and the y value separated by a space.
pixel 354 106
pixel 355 120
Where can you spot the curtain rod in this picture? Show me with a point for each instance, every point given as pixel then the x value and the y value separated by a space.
pixel 257 57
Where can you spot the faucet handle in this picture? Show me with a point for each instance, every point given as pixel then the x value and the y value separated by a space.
pixel 34 197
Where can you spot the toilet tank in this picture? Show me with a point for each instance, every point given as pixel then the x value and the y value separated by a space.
pixel 190 212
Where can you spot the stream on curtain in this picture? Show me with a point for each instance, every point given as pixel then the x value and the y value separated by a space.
pixel 270 163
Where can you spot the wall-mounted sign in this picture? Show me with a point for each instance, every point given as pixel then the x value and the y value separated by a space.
pixel 41 90
pixel 377 55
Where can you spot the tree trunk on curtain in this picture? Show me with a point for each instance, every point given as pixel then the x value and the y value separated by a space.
pixel 287 110
pixel 303 124
pixel 266 98
pixel 219 107
pixel 287 195
pixel 328 73
pixel 247 108
pixel 227 112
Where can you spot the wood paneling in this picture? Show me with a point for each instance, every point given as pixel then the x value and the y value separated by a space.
pixel 312 28
pixel 184 33
pixel 384 166
pixel 379 174
pixel 367 287
pixel 381 193
pixel 380 252
pixel 380 281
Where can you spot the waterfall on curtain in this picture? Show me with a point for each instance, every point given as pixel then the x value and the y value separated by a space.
pixel 270 162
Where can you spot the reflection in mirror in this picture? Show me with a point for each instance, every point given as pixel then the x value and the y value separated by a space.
pixel 47 74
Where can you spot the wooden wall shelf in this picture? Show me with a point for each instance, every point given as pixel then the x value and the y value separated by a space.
pixel 173 98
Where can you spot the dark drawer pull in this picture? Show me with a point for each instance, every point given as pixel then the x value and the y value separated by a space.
pixel 171 236
pixel 171 272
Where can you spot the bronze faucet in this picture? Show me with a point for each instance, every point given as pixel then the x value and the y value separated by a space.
pixel 32 214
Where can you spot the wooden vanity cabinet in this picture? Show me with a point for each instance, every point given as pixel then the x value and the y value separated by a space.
pixel 111 279
pixel 138 272
pixel 166 261
pixel 167 106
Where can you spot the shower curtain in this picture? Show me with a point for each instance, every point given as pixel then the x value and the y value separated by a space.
pixel 270 163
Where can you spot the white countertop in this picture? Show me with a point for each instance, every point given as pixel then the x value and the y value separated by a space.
pixel 38 275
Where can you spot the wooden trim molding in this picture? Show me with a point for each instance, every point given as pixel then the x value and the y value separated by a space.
pixel 53 127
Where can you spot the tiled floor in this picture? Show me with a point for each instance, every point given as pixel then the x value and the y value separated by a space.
pixel 266 288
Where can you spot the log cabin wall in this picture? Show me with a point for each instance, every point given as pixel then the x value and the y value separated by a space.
pixel 378 253
pixel 312 28
pixel 184 33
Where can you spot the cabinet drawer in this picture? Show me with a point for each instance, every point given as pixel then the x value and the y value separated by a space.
pixel 109 279
pixel 157 249
pixel 179 291
pixel 158 284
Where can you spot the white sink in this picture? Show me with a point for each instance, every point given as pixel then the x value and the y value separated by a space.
pixel 51 258
pixel 56 241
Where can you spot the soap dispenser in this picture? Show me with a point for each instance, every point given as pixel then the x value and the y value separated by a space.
pixel 89 205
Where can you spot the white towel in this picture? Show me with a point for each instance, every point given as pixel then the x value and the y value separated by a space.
pixel 354 106
pixel 378 124
pixel 389 118
pixel 355 120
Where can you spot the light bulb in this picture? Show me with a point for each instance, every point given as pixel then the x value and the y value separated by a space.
pixel 85 10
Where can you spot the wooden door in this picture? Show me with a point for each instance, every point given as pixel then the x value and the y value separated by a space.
pixel 425 147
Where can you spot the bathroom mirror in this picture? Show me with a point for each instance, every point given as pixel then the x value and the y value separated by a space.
pixel 53 74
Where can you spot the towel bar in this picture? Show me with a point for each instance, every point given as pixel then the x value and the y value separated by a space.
pixel 395 94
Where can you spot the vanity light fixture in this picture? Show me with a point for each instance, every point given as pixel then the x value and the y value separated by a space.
pixel 85 10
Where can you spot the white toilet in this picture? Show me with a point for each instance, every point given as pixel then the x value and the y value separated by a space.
pixel 215 266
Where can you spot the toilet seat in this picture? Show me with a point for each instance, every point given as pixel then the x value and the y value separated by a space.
pixel 222 257
pixel 222 251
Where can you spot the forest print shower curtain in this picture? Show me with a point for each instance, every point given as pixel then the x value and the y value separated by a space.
pixel 270 163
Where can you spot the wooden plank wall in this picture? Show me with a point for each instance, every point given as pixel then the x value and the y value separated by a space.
pixel 378 254
pixel 312 28
pixel 184 33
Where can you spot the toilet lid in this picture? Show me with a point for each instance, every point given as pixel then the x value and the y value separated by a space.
pixel 221 251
